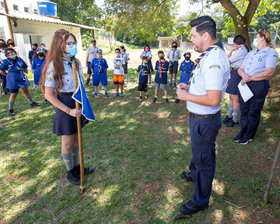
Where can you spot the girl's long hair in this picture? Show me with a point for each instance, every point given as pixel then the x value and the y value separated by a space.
pixel 239 39
pixel 55 55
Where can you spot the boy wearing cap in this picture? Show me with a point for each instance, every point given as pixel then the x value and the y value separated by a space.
pixel 99 68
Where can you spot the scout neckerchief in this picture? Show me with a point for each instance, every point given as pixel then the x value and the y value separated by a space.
pixel 99 65
pixel 161 66
pixel 218 45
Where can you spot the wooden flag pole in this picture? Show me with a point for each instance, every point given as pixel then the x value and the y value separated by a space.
pixel 273 168
pixel 82 173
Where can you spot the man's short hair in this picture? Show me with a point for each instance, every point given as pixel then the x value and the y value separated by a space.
pixel 144 58
pixel 204 24
pixel 35 44
pixel 117 49
pixel 160 52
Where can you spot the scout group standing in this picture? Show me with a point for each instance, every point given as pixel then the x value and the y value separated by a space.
pixel 202 85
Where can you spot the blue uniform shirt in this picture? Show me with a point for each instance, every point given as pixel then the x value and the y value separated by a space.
pixel 31 53
pixel 68 81
pixel 174 54
pixel 258 60
pixel 16 78
pixel 147 54
pixel 99 66
pixel 143 70
pixel 37 67
pixel 238 57
pixel 163 79
pixel 186 68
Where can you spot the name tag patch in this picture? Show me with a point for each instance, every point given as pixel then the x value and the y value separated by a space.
pixel 214 66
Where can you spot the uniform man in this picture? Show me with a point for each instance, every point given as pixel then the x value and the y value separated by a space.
pixel 203 98
pixel 91 54
pixel 173 55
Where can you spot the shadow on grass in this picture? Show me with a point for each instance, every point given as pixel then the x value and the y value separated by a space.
pixel 143 148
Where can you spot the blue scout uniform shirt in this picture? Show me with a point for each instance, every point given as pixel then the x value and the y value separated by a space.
pixel 238 57
pixel 125 56
pixel 37 67
pixel 31 53
pixel 143 70
pixel 186 68
pixel 174 54
pixel 68 81
pixel 16 78
pixel 212 73
pixel 258 60
pixel 99 66
pixel 163 79
pixel 147 54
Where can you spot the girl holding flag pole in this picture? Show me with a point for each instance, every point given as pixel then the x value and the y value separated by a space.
pixel 58 87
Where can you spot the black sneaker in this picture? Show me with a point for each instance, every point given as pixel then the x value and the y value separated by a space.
pixel 237 138
pixel 166 100
pixel 177 101
pixel 12 113
pixel 187 176
pixel 188 209
pixel 73 178
pixel 231 123
pixel 86 170
pixel 34 104
pixel 154 100
pixel 227 119
pixel 243 141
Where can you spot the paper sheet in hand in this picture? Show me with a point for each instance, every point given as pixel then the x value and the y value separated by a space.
pixel 245 92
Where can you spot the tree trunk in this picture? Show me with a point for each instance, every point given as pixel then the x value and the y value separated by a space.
pixel 242 29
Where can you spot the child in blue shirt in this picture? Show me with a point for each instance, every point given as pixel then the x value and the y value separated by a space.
pixel 99 68
pixel 186 68
pixel 143 71
pixel 161 76
pixel 38 63
pixel 15 68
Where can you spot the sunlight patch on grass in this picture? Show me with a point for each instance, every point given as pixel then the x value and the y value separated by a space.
pixel 218 187
pixel 218 216
pixel 239 215
pixel 104 198
pixel 163 114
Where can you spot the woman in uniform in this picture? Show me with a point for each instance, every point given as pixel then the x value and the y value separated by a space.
pixel 258 66
pixel 235 61
pixel 58 86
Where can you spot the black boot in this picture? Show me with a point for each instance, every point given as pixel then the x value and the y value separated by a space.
pixel 86 170
pixel 73 177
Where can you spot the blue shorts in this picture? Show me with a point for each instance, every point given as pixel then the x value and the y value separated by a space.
pixel 99 77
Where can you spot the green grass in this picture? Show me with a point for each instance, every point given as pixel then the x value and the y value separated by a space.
pixel 141 149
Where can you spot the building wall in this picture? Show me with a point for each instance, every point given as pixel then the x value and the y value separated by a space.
pixel 27 31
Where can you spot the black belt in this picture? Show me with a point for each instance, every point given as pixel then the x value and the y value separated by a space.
pixel 66 94
pixel 206 116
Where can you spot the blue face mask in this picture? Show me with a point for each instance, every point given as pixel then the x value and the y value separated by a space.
pixel 71 50
pixel 187 58
pixel 12 57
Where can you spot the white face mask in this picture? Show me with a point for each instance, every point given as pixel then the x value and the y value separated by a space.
pixel 255 43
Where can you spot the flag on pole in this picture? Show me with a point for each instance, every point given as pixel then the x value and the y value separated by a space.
pixel 80 95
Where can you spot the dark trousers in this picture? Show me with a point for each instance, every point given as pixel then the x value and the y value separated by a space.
pixel 251 110
pixel 203 134
pixel 4 82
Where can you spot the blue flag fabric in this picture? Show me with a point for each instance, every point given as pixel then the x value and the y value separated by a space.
pixel 80 95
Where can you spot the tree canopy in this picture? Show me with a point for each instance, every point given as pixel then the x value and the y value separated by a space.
pixel 137 22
